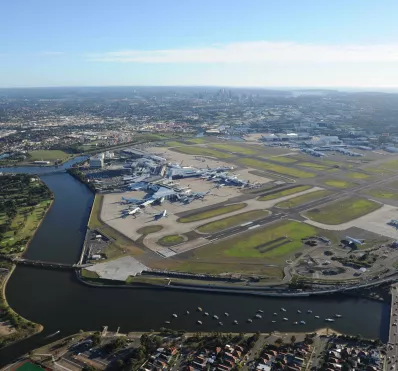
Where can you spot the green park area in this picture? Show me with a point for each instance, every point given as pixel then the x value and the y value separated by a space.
pixel 24 201
pixel 303 199
pixel 284 192
pixel 119 244
pixel 202 151
pixel 383 193
pixel 149 229
pixel 202 215
pixel 262 251
pixel 342 211
pixel 48 155
pixel 171 240
pixel 233 221
pixel 356 175
pixel 267 166
pixel 338 183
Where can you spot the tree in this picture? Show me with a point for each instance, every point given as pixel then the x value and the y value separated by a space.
pixel 279 341
pixel 293 339
pixel 96 338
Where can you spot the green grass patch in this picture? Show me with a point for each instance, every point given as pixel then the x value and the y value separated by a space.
pixel 174 144
pixel 303 199
pixel 150 229
pixel 283 159
pixel 389 165
pixel 236 149
pixel 249 252
pixel 342 211
pixel 338 183
pixel 314 165
pixel 383 193
pixel 202 151
pixel 89 274
pixel 48 155
pixel 356 175
pixel 285 192
pixel 267 166
pixel 198 140
pixel 211 213
pixel 171 240
pixel 232 221
pixel 95 221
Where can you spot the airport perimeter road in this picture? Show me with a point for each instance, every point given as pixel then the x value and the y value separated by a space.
pixel 392 347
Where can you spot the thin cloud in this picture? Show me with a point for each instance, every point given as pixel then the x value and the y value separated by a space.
pixel 256 51
pixel 52 53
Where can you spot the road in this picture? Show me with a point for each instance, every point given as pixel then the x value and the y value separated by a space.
pixel 392 347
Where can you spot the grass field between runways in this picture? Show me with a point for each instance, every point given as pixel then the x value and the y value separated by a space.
pixel 233 221
pixel 283 193
pixel 250 252
pixel 211 213
pixel 342 211
pixel 267 166
pixel 202 151
pixel 303 199
pixel 338 183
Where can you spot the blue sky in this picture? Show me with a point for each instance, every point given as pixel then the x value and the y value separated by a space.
pixel 352 43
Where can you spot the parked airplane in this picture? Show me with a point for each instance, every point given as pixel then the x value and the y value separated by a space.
pixel 131 200
pixel 134 212
pixel 161 215
pixel 355 240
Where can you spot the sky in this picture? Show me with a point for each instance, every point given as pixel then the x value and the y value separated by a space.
pixel 258 43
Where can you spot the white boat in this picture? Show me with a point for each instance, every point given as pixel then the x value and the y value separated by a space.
pixel 259 316
pixel 309 311
pixel 275 314
pixel 206 314
pixel 220 323
pixel 260 311
pixel 175 315
pixel 298 311
pixel 215 317
pixel 283 309
pixel 199 322
pixel 302 322
pixel 200 309
pixel 317 317
pixel 329 319
pixel 249 320
pixel 273 321
pixel 235 322
pixel 338 315
pixel 295 323
pixel 226 313
pixel 187 311
pixel 167 322
pixel 286 319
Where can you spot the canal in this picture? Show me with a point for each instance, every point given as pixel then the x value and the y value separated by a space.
pixel 58 301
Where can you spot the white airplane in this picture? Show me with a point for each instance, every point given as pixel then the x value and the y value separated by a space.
pixel 131 212
pixel 161 215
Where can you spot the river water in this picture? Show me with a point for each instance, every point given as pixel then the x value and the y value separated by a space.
pixel 58 301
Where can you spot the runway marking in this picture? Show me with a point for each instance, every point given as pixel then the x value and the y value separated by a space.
pixel 254 226
pixel 245 224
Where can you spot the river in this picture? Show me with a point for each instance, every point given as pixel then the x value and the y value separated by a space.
pixel 58 301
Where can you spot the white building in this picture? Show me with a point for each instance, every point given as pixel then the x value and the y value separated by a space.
pixel 97 161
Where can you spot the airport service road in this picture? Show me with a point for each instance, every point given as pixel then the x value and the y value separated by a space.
pixel 392 347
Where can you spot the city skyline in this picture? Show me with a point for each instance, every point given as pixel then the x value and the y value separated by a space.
pixel 256 44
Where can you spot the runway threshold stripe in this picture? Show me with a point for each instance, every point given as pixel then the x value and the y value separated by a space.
pixel 254 226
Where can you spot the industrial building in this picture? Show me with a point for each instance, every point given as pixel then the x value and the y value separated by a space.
pixel 97 161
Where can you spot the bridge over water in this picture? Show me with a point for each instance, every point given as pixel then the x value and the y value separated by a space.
pixel 43 263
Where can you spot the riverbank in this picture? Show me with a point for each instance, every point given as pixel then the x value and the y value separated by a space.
pixel 21 327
